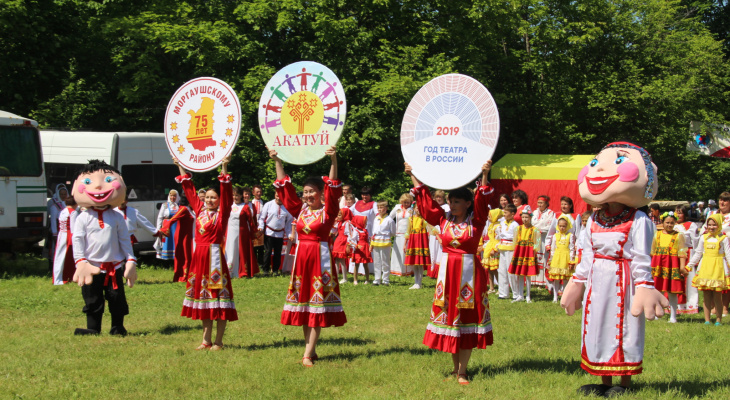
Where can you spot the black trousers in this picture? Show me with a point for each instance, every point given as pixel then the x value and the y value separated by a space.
pixel 272 244
pixel 259 252
pixel 94 296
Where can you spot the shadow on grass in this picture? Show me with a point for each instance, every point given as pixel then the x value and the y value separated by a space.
pixel 372 353
pixel 171 329
pixel 300 343
pixel 689 388
pixel 524 365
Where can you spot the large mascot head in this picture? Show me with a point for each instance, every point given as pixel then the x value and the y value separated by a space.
pixel 621 172
pixel 98 185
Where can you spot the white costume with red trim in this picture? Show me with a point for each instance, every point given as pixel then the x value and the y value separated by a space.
pixel 63 261
pixel 615 260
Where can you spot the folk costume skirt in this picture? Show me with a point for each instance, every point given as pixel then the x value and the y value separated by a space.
pixel 202 300
pixel 666 272
pixel 460 316
pixel 417 251
pixel 313 298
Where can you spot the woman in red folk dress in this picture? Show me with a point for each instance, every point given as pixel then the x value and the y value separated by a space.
pixel 313 300
pixel 460 317
pixel 208 294
pixel 183 237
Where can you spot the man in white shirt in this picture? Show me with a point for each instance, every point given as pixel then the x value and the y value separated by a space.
pixel 275 221
pixel 346 189
pixel 136 220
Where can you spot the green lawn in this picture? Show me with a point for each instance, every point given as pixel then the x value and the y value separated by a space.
pixel 377 354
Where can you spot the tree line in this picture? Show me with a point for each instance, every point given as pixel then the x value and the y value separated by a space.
pixel 567 76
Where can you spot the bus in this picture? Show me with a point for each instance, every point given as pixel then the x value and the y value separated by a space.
pixel 22 184
pixel 142 158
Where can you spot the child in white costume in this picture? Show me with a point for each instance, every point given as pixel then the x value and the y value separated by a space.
pixel 614 278
pixel 691 236
pixel 506 232
pixel 381 241
pixel 401 214
pixel 542 219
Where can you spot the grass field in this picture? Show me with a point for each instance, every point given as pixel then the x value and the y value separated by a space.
pixel 377 354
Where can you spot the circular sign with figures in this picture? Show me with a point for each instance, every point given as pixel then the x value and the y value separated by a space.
pixel 302 112
pixel 202 123
pixel 449 131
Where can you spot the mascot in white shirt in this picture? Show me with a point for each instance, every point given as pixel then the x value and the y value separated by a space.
pixel 101 246
pixel 613 281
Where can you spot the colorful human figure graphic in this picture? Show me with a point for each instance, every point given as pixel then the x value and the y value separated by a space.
pixel 303 82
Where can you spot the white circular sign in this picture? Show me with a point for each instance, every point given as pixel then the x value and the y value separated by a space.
pixel 302 112
pixel 202 123
pixel 450 129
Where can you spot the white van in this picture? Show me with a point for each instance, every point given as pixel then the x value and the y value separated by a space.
pixel 22 183
pixel 141 157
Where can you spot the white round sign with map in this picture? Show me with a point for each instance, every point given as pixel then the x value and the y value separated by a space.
pixel 302 112
pixel 202 123
pixel 450 129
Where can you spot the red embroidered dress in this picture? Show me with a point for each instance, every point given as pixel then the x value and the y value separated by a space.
pixel 524 259
pixel 339 249
pixel 666 250
pixel 460 317
pixel 247 264
pixel 183 239
pixel 208 293
pixel 313 298
pixel 360 240
pixel 417 243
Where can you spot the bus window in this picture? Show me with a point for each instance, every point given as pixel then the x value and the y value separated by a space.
pixel 61 173
pixel 20 152
pixel 150 181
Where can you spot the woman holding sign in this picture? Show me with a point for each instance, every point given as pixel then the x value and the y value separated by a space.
pixel 209 295
pixel 457 327
pixel 313 300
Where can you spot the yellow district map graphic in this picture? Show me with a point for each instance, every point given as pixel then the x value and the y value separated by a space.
pixel 200 129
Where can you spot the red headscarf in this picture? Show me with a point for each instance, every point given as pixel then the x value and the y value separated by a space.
pixel 359 221
pixel 346 213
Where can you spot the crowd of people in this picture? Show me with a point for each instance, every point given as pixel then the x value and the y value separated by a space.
pixel 324 233
pixel 519 247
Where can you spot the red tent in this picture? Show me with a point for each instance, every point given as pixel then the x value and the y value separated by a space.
pixel 554 175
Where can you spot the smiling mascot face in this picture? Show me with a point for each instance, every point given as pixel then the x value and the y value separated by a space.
pixel 99 185
pixel 620 173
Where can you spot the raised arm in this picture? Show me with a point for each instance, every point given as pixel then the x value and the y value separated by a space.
pixel 226 197
pixel 332 152
pixel 280 174
pixel 482 196
pixel 185 179
pixel 427 206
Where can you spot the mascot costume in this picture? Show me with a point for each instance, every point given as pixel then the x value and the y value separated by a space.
pixel 101 246
pixel 613 281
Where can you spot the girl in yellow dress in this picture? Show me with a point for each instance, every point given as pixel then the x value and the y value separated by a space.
pixel 562 253
pixel 712 274
pixel 668 256
pixel 490 255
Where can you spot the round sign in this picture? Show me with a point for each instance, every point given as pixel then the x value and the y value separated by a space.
pixel 202 123
pixel 302 112
pixel 449 131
